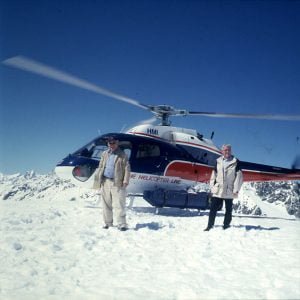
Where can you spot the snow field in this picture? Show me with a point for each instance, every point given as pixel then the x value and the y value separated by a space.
pixel 52 246
pixel 55 248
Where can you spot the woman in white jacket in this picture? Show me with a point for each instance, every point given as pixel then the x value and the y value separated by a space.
pixel 225 183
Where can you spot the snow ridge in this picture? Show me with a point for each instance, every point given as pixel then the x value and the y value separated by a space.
pixel 31 185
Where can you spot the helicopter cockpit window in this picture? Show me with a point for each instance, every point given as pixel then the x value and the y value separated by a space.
pixel 99 149
pixel 201 155
pixel 86 151
pixel 96 148
pixel 148 151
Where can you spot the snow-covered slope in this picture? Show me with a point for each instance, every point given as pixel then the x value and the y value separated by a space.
pixel 32 186
pixel 52 246
pixel 21 187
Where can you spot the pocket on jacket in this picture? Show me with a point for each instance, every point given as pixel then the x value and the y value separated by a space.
pixel 230 189
pixel 96 185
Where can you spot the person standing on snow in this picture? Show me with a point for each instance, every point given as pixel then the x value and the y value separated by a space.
pixel 225 183
pixel 113 177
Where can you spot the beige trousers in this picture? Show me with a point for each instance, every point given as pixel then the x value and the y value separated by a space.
pixel 114 204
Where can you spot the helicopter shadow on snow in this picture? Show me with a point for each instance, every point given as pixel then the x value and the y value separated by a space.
pixel 259 227
pixel 171 211
pixel 255 227
pixel 264 217
pixel 166 212
pixel 190 213
pixel 249 227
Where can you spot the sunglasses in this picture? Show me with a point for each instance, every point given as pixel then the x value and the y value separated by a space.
pixel 112 143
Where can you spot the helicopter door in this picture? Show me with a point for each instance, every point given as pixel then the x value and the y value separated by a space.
pixel 148 159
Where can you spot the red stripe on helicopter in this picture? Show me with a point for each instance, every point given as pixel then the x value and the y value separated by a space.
pixel 189 171
pixel 202 173
pixel 265 176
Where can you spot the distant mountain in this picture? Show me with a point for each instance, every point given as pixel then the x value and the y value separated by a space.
pixel 33 186
pixel 19 187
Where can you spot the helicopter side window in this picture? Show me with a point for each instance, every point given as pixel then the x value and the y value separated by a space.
pixel 148 151
pixel 126 147
pixel 148 159
pixel 201 156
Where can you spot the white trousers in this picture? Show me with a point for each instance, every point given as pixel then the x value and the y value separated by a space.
pixel 114 204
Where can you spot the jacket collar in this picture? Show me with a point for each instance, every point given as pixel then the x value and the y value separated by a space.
pixel 116 152
pixel 230 162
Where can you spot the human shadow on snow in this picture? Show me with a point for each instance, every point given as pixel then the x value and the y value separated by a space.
pixel 264 217
pixel 188 213
pixel 255 227
pixel 157 226
pixel 151 226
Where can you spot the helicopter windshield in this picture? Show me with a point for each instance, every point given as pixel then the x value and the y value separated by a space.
pixel 95 149
pixel 98 150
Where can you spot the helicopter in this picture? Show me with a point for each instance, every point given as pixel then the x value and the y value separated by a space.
pixel 166 161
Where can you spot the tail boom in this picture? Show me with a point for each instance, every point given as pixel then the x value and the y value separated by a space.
pixel 257 172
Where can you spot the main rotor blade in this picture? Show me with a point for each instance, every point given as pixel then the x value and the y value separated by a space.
pixel 26 64
pixel 247 116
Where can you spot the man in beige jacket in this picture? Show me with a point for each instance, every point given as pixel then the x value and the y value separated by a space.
pixel 113 177
pixel 225 183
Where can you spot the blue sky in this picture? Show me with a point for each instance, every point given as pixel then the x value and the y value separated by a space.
pixel 219 56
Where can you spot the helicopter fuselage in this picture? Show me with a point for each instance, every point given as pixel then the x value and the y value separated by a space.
pixel 155 162
pixel 161 157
